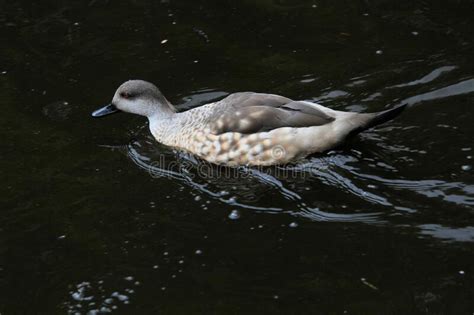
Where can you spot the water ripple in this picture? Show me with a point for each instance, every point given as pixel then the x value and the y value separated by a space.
pixel 189 172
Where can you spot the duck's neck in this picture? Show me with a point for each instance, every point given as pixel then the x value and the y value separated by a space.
pixel 162 124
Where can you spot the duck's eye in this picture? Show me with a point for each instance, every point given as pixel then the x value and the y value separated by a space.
pixel 125 95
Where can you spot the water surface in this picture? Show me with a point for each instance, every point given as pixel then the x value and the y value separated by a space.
pixel 96 217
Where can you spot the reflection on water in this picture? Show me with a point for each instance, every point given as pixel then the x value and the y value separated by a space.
pixel 464 234
pixel 239 187
pixel 92 298
pixel 427 78
pixel 460 88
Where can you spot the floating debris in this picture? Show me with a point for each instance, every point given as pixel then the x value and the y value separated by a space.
pixel 370 285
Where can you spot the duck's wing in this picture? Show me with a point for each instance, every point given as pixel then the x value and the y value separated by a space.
pixel 254 112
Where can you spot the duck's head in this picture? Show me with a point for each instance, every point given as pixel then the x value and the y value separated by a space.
pixel 137 97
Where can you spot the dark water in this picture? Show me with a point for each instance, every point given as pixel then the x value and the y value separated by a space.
pixel 96 217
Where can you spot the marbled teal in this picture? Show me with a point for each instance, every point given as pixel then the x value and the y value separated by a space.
pixel 244 128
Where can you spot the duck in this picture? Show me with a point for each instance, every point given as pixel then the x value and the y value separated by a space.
pixel 244 128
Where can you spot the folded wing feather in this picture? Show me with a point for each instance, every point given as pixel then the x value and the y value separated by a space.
pixel 253 112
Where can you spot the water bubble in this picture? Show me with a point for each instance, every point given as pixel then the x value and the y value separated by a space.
pixel 293 225
pixel 461 272
pixel 197 198
pixel 196 61
pixel 466 168
pixel 129 278
pixel 379 52
pixel 155 267
pixel 165 254
pixel 276 297
pixel 466 149
pixel 234 215
pixel 164 41
pixel 77 296
pixel 122 297
pixel 181 262
pixel 163 288
pixel 61 237
pixel 198 252
pixel 414 33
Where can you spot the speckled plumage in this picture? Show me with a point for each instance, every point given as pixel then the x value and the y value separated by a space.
pixel 245 128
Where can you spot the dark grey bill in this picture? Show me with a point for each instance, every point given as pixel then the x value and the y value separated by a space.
pixel 106 110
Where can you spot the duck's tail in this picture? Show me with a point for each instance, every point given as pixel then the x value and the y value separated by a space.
pixel 370 120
